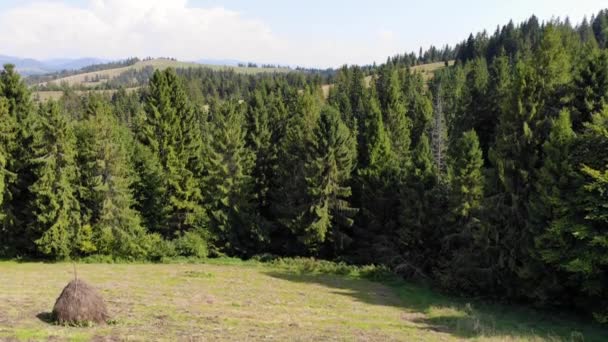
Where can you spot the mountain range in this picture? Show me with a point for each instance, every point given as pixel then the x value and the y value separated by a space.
pixel 30 66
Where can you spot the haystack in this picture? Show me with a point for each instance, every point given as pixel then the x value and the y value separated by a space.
pixel 79 303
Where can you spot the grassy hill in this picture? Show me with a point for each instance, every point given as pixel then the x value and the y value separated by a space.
pixel 245 301
pixel 86 79
pixel 427 71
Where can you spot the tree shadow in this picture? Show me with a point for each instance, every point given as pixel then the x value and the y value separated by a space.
pixel 460 317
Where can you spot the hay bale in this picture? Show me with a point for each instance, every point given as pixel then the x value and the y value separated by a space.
pixel 79 303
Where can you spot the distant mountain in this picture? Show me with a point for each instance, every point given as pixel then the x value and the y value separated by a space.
pixel 29 66
pixel 73 64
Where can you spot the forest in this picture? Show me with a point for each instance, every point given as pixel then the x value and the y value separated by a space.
pixel 488 180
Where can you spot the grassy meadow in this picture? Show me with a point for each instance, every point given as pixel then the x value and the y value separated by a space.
pixel 228 300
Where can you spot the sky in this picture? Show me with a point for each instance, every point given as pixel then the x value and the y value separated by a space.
pixel 311 33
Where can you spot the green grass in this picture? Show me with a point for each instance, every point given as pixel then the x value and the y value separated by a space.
pixel 283 300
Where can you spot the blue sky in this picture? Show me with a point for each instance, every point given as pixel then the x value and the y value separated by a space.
pixel 310 33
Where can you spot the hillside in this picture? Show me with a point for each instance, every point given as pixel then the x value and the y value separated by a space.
pixel 91 79
pixel 427 71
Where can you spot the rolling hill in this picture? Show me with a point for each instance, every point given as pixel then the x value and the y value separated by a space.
pixel 91 79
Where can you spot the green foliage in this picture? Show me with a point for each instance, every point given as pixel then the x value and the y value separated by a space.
pixel 173 134
pixel 229 196
pixel 330 159
pixel 191 244
pixel 107 202
pixel 7 145
pixel 55 207
pixel 486 177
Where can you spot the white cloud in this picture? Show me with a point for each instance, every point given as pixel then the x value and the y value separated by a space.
pixel 123 28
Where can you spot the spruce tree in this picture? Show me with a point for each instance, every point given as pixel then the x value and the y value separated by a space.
pixel 56 220
pixel 331 154
pixel 461 257
pixel 18 172
pixel 229 195
pixel 172 132
pixel 466 176
pixel 398 124
pixel 7 145
pixel 107 176
pixel 374 187
pixel 571 209
pixel 590 86
pixel 417 233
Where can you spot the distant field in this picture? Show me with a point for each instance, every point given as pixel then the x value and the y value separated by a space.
pixel 233 301
pixel 427 71
pixel 45 95
pixel 159 63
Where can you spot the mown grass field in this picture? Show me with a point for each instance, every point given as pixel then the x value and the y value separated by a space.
pixel 224 301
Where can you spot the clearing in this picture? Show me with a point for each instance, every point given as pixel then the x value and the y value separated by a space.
pixel 238 301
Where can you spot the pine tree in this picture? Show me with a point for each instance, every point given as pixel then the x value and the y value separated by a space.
pixel 398 125
pixel 417 234
pixel 466 176
pixel 289 197
pixel 172 132
pixel 373 188
pixel 331 155
pixel 114 226
pixel 571 209
pixel 18 173
pixel 55 208
pixel 461 257
pixel 7 145
pixel 230 199
pixel 590 86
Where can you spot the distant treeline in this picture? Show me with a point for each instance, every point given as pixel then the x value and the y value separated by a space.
pixel 36 79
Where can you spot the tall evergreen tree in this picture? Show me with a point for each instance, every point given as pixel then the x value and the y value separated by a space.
pixel 56 222
pixel 590 86
pixel 107 176
pixel 7 145
pixel 18 173
pixel 331 155
pixel 398 124
pixel 460 257
pixel 172 132
pixel 229 195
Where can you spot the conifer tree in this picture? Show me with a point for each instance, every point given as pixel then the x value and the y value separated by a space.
pixel 398 124
pixel 107 176
pixel 461 257
pixel 466 176
pixel 172 132
pixel 230 199
pixel 590 86
pixel 18 173
pixel 56 220
pixel 571 209
pixel 417 233
pixel 374 187
pixel 7 145
pixel 289 196
pixel 331 155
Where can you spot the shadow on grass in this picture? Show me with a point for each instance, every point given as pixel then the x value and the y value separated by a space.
pixel 46 317
pixel 460 318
